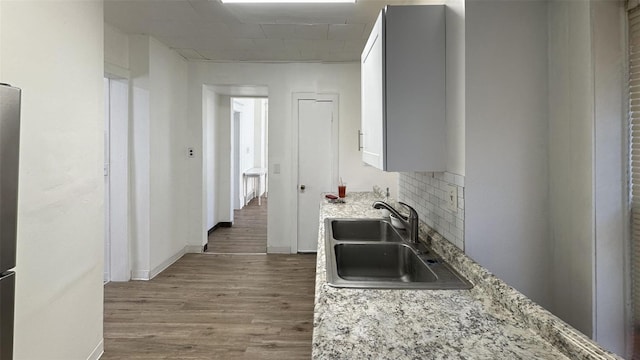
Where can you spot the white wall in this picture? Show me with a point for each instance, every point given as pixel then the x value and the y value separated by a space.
pixel 209 138
pixel 610 175
pixel 506 225
pixel 258 127
pixel 283 80
pixel 118 206
pixel 545 150
pixel 168 149
pixel 588 166
pixel 259 131
pixel 246 148
pixel 140 156
pixel 60 222
pixel 570 161
pixel 160 162
pixel 251 146
pixel 116 51
pixel 223 159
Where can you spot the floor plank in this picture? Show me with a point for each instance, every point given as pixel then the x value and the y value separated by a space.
pixel 208 306
pixel 248 233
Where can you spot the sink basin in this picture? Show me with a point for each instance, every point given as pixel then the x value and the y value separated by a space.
pixel 384 262
pixel 364 230
pixel 372 254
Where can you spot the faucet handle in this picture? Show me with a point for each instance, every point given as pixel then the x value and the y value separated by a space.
pixel 412 211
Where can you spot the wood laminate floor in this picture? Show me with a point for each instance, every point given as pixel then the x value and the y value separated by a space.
pixel 248 233
pixel 215 307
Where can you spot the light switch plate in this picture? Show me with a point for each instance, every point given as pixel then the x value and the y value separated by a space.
pixel 452 198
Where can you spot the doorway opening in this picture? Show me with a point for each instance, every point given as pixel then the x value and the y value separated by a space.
pixel 235 128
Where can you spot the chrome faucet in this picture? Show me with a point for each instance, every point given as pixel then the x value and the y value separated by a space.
pixel 410 222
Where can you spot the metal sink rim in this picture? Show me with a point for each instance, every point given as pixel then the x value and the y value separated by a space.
pixel 455 281
pixel 389 234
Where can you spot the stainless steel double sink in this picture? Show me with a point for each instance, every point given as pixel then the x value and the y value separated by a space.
pixel 371 253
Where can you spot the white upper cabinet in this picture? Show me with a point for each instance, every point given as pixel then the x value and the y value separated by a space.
pixel 403 90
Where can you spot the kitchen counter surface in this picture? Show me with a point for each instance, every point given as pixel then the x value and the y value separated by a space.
pixel 490 321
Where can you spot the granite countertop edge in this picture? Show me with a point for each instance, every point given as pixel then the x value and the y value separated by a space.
pixel 553 329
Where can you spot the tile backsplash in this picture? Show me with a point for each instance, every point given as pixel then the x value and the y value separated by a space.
pixel 427 192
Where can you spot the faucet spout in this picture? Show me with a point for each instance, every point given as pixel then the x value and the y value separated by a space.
pixel 410 222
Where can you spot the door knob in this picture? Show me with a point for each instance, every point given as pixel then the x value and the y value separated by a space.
pixel 302 187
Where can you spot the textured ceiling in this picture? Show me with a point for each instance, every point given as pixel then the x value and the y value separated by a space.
pixel 210 30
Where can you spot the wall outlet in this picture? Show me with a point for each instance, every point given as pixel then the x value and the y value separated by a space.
pixel 191 153
pixel 452 198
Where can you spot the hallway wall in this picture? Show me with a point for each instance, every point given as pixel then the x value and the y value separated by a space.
pixel 53 51
pixel 159 154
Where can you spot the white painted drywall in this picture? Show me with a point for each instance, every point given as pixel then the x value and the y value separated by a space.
pixel 140 156
pixel 116 51
pixel 570 162
pixel 506 225
pixel 160 161
pixel 259 131
pixel 168 154
pixel 61 208
pixel 283 80
pixel 587 167
pixel 455 45
pixel 609 51
pixel 264 155
pixel 223 159
pixel 119 216
pixel 581 249
pixel 209 136
pixel 246 148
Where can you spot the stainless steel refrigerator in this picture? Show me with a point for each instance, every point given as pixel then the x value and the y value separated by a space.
pixel 9 150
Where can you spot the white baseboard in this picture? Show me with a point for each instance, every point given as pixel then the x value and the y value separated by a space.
pixel 193 249
pixel 140 275
pixel 97 352
pixel 278 250
pixel 165 264
pixel 148 275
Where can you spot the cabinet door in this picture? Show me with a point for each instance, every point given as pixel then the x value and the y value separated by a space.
pixel 415 88
pixel 373 97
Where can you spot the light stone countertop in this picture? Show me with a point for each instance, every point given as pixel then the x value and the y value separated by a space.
pixel 490 321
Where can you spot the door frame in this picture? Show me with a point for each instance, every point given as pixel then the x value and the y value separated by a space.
pixel 117 205
pixel 236 203
pixel 335 136
pixel 107 181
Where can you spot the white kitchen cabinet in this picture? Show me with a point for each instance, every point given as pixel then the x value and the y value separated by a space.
pixel 403 90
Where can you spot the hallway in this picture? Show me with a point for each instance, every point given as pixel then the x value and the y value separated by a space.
pixel 248 235
pixel 215 307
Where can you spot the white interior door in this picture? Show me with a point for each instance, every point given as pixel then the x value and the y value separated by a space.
pixel 317 164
